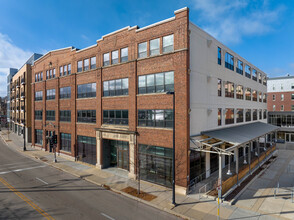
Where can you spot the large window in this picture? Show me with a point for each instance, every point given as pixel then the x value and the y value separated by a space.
pixel 248 94
pixel 39 96
pixel 116 87
pixel 117 117
pixel 239 92
pixel 86 116
pixel 219 56
pixel 155 118
pixel 60 70
pixel 50 115
pixel 65 93
pixel 124 57
pixel 254 95
pixel 65 142
pixel 247 71
pixel 248 115
pixel 264 98
pixel 38 115
pixel 229 116
pixel 219 117
pixel 239 68
pixel 264 114
pixel 80 66
pixel 154 47
pixel 87 90
pixel 168 43
pixel 69 69
pixel 229 61
pixel 292 96
pixel 229 89
pixel 87 149
pixel 260 96
pixel 50 94
pixel 259 78
pixel 254 75
pixel 64 70
pixel 254 114
pixel 282 97
pixel 38 136
pixel 106 59
pixel 219 87
pixel 240 115
pixel 156 164
pixel 93 62
pixel 260 114
pixel 65 115
pixel 142 50
pixel 264 80
pixel 86 64
pixel 114 57
pixel 154 83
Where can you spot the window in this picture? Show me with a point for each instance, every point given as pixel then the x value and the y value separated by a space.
pixel 264 98
pixel 86 147
pixel 86 116
pixel 86 64
pixel 219 87
pixel 155 164
pixel 254 95
pixel 69 69
pixel 106 59
pixel 282 87
pixel 259 77
pixel 292 108
pixel 124 55
pixel 114 57
pixel 264 114
pixel 117 117
pixel 219 117
pixel 240 115
pixel 239 68
pixel 260 114
pixel 47 74
pixel 264 80
pixel 229 89
pixel 65 142
pixel 248 94
pixel 254 114
pixel 80 66
pixel 87 90
pixel 239 92
pixel 274 97
pixel 65 93
pixel 38 115
pixel 282 107
pixel 292 85
pixel 247 71
pixel 274 87
pixel 39 96
pixel 219 56
pixel 41 76
pixel 50 94
pixel 142 50
pixel 274 107
pixel 54 73
pixel 155 118
pixel 65 115
pixel 260 96
pixel 116 87
pixel 156 83
pixel 254 75
pixel 50 74
pixel 64 70
pixel 168 43
pixel 154 47
pixel 282 97
pixel 292 96
pixel 60 70
pixel 50 115
pixel 93 62
pixel 229 61
pixel 248 115
pixel 39 136
pixel 36 78
pixel 229 116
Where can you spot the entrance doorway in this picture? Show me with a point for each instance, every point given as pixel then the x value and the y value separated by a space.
pixel 289 137
pixel 116 153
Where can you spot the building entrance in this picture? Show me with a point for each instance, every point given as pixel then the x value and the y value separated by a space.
pixel 116 153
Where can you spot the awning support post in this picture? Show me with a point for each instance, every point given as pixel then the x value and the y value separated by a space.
pixel 220 171
pixel 244 153
pixel 249 156
pixel 229 167
pixel 237 165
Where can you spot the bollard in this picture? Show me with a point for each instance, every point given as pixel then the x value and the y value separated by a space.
pixel 275 193
pixel 278 187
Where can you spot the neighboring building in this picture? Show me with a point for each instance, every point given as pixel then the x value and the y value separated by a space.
pixel 281 108
pixel 108 103
pixel 21 98
pixel 12 72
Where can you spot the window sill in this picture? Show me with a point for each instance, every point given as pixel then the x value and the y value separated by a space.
pixel 85 123
pixel 112 126
pixel 156 93
pixel 116 96
pixel 86 71
pixel 155 128
pixel 68 122
pixel 85 98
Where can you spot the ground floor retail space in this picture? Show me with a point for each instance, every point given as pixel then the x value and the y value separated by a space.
pixel 19 130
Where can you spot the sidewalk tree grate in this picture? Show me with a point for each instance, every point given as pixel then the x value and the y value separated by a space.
pixel 143 195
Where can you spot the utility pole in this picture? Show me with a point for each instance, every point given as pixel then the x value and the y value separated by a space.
pixel 24 117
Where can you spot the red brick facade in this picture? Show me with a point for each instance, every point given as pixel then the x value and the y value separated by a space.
pixel 177 61
pixel 278 102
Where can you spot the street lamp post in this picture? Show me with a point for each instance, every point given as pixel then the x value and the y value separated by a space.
pixel 174 152
pixel 24 118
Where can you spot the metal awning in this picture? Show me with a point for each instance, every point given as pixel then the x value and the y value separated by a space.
pixel 235 136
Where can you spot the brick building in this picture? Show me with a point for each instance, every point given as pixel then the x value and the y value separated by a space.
pixel 109 103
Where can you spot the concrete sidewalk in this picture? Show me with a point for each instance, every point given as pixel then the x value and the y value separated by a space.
pixel 188 207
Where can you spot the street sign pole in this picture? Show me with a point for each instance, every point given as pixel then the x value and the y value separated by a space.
pixel 54 148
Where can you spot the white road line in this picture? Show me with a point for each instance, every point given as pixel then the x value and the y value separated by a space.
pixel 42 181
pixel 17 166
pixel 16 163
pixel 19 170
pixel 107 216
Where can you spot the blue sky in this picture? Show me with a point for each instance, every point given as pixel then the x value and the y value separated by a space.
pixel 261 31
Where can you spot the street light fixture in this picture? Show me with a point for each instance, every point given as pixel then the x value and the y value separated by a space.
pixel 174 149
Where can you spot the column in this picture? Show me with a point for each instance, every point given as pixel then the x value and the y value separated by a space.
pixel 223 156
pixel 220 170
pixel 99 150
pixel 236 154
pixel 132 144
pixel 207 164
pixel 237 164
pixel 249 156
pixel 244 153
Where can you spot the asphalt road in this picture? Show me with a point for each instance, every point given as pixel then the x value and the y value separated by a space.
pixel 30 189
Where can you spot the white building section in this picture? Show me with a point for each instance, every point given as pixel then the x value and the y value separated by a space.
pixel 281 84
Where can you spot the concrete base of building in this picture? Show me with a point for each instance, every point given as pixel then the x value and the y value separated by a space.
pixel 132 176
pixel 181 190
pixel 99 166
